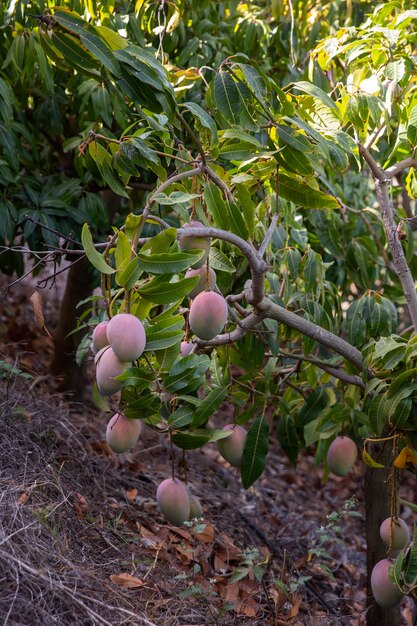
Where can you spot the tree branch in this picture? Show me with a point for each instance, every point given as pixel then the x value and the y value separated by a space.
pixel 398 168
pixel 398 256
pixel 247 324
pixel 256 263
pixel 326 338
pixel 382 180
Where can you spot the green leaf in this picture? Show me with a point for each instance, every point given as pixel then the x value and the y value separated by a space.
pixel 412 126
pixel 255 452
pixel 136 377
pixel 227 97
pixel 220 262
pixel 181 417
pixel 74 53
pixel 95 258
pixel 177 197
pixel 216 206
pixel 191 441
pixel 315 91
pixel 205 120
pixel 237 223
pixel 160 291
pixel 287 437
pixel 130 275
pixel 313 406
pixel 171 263
pixel 162 339
pixel 102 52
pixel 296 190
pixel 209 406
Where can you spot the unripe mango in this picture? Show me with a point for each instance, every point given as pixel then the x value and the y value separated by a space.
pixel 400 533
pixel 195 243
pixel 126 336
pixel 122 433
pixel 231 448
pixel 108 366
pixel 202 285
pixel 386 593
pixel 100 339
pixel 208 314
pixel 341 455
pixel 186 348
pixel 174 501
pixel 196 509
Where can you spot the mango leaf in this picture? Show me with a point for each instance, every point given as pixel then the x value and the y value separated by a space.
pixel 191 441
pixel 296 190
pixel 209 406
pixel 315 91
pixel 255 452
pixel 95 258
pixel 177 197
pixel 130 275
pixel 220 262
pixel 162 339
pixel 227 97
pixel 181 417
pixel 205 120
pixel 412 127
pixel 169 263
pixel 160 291
pixel 216 205
pixel 369 460
pixel 287 437
pixel 136 377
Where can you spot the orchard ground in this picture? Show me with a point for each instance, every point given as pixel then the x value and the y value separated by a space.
pixel 82 541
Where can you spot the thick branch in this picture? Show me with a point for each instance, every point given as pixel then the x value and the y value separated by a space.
pixel 247 324
pixel 257 264
pixel 382 180
pixel 376 170
pixel 398 168
pixel 326 338
pixel 336 372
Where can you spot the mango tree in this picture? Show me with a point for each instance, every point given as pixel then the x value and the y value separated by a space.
pixel 304 190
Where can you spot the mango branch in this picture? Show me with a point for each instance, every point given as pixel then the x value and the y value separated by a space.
pixel 382 181
pixel 263 307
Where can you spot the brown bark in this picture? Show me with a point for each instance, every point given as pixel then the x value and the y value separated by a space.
pixel 377 508
pixel 79 286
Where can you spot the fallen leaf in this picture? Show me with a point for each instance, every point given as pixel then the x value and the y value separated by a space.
pixel 126 581
pixel 131 494
pixel 81 503
pixel 23 498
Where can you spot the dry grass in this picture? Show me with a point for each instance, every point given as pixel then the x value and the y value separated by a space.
pixel 50 574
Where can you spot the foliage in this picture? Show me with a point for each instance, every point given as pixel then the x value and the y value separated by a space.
pixel 292 141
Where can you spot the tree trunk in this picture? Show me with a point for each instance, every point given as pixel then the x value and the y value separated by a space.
pixel 377 508
pixel 79 286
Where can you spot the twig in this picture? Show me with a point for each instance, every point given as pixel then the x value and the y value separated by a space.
pixel 28 218
pixel 268 235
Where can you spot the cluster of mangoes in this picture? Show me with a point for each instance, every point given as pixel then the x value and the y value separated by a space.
pixel 395 535
pixel 121 340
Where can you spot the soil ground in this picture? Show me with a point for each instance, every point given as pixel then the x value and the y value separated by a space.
pixel 82 541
